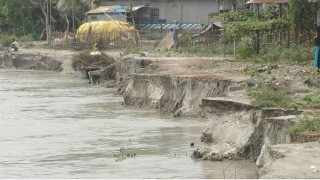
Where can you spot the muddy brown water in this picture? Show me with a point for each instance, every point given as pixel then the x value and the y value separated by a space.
pixel 58 126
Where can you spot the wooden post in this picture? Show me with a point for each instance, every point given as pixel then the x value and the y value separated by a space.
pixel 280 16
pixel 234 47
pixel 257 33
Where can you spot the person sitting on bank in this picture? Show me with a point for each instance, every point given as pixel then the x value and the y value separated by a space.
pixel 14 45
pixel 95 50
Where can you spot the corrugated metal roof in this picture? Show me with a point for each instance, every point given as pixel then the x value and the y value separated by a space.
pixel 169 26
pixel 134 8
pixel 267 1
pixel 116 9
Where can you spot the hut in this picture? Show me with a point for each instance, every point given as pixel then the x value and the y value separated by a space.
pixel 208 35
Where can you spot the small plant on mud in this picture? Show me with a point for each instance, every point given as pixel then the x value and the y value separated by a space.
pixel 168 54
pixel 199 66
pixel 267 97
pixel 123 154
pixel 135 50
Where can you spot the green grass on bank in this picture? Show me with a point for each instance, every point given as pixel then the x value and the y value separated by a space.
pixel 311 100
pixel 6 40
pixel 267 97
pixel 306 125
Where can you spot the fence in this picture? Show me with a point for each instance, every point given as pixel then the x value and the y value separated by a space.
pixel 148 39
pixel 110 40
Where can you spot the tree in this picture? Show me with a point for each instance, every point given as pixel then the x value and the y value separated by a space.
pixel 71 9
pixel 16 17
pixel 301 15
pixel 44 6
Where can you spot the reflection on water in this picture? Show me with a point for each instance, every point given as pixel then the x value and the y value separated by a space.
pixel 55 126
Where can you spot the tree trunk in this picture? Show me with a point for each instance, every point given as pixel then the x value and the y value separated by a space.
pixel 68 26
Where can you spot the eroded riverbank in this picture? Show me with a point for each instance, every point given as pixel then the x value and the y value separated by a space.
pixel 56 126
pixel 178 87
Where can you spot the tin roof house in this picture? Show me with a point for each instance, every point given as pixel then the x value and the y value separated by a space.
pixel 185 11
pixel 121 13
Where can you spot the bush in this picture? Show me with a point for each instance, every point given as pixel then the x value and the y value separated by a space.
pixel 6 40
pixel 306 125
pixel 266 97
pixel 83 59
pixel 295 53
pixel 244 52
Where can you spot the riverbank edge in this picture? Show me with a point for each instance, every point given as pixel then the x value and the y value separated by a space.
pixel 236 129
pixel 187 96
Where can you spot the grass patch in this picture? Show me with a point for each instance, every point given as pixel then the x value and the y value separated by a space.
pixel 135 50
pixel 306 125
pixel 207 51
pixel 267 97
pixel 6 40
pixel 294 53
pixel 84 59
pixel 311 100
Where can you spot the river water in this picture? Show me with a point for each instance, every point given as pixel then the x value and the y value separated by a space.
pixel 53 125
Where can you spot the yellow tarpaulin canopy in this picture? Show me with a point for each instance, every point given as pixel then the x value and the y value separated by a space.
pixel 105 30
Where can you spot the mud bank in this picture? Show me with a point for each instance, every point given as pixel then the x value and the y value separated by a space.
pixel 10 60
pixel 236 129
pixel 290 161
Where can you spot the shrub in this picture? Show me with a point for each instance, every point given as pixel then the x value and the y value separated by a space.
pixel 6 40
pixel 267 97
pixel 244 52
pixel 295 53
pixel 83 58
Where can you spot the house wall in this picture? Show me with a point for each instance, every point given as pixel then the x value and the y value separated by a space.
pixel 103 17
pixel 186 11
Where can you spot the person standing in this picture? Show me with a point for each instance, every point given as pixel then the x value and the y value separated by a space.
pixel 317 50
pixel 176 30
